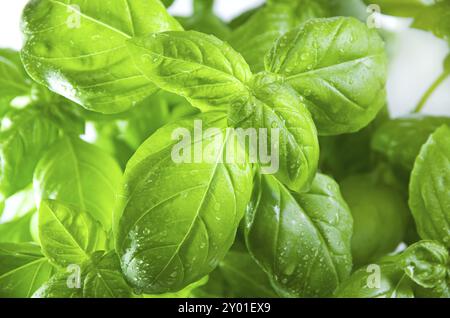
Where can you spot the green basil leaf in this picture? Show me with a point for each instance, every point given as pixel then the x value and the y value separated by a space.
pixel 400 140
pixel 237 276
pixel 24 136
pixel 22 269
pixel 178 220
pixel 13 79
pixel 85 169
pixel 339 66
pixel 426 264
pixel 422 266
pixel 68 235
pixel 202 68
pixel 380 217
pixel 77 50
pixel 301 240
pixel 276 106
pixel 255 37
pixel 436 19
pixel 429 189
pixel 100 278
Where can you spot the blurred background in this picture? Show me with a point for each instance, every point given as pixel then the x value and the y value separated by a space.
pixel 415 56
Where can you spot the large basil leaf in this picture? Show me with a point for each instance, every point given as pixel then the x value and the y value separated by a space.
pixel 400 139
pixel 256 36
pixel 422 268
pixel 204 20
pixel 338 66
pixel 380 217
pixel 66 228
pixel 77 48
pixel 178 220
pixel 24 136
pixel 200 67
pixel 301 240
pixel 276 106
pixel 22 269
pixel 99 278
pixel 237 276
pixel 429 189
pixel 85 169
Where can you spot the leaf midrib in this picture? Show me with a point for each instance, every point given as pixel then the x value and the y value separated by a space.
pixel 92 19
pixel 197 214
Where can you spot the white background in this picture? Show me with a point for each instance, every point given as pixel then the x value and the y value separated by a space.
pixel 416 56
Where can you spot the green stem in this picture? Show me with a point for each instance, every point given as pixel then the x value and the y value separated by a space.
pixel 203 6
pixel 430 91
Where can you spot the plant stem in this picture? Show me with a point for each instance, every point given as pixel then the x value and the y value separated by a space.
pixel 430 91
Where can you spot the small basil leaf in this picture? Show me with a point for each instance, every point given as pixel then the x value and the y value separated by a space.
pixel 301 240
pixel 256 36
pixel 77 50
pixel 68 235
pixel 178 220
pixel 99 278
pixel 339 66
pixel 24 137
pixel 199 67
pixel 22 269
pixel 426 264
pixel 85 169
pixel 380 217
pixel 429 191
pixel 400 140
pixel 421 268
pixel 294 144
